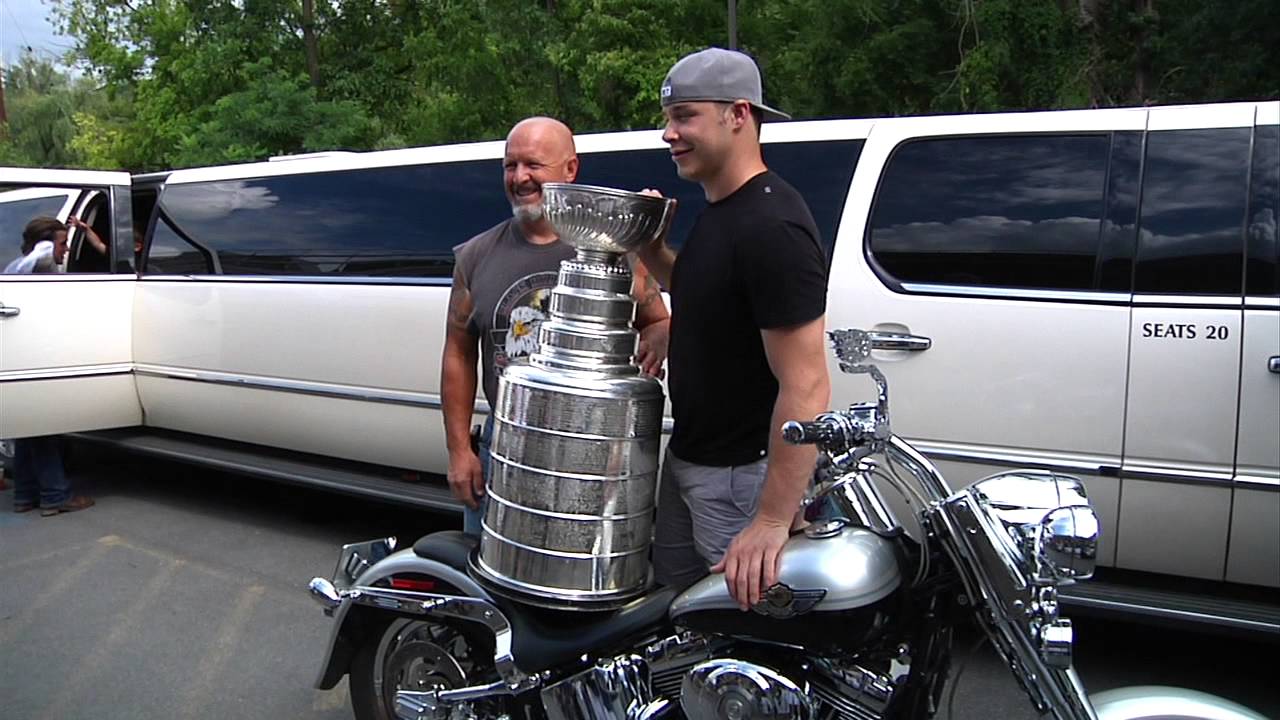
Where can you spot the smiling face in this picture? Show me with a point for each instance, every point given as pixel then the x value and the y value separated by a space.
pixel 701 137
pixel 539 150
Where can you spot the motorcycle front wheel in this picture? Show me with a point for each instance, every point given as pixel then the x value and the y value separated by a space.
pixel 414 655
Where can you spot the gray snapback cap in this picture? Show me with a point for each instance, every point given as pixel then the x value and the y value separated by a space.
pixel 717 75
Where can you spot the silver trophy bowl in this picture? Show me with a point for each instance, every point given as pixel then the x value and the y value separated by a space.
pixel 605 220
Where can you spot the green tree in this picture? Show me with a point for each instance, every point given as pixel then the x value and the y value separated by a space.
pixel 42 103
pixel 199 81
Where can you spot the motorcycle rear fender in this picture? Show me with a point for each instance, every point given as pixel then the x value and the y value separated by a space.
pixel 353 624
pixel 1151 702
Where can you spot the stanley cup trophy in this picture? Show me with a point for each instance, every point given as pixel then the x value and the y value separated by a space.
pixel 574 454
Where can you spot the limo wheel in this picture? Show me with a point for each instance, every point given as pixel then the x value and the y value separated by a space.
pixel 413 655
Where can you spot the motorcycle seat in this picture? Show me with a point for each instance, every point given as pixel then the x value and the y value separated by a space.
pixel 544 638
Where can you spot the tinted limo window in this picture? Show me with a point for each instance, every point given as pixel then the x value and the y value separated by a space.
pixel 819 171
pixel 1261 275
pixel 1194 189
pixel 1014 212
pixel 394 221
pixel 172 254
pixel 14 216
pixel 404 221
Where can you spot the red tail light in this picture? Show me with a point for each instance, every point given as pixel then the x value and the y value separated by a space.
pixel 403 583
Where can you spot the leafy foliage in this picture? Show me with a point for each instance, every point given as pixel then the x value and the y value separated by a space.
pixel 169 83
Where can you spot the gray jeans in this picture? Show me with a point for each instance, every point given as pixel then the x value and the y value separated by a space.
pixel 701 510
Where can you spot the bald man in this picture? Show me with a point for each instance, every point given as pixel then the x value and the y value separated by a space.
pixel 502 282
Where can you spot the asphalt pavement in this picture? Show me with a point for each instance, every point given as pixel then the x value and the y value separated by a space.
pixel 181 595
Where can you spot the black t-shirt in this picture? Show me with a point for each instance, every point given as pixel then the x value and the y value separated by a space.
pixel 753 261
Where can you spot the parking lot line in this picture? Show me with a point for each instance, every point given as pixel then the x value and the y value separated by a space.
pixel 208 675
pixel 124 627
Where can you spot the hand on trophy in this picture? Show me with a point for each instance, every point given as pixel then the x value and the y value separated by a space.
pixel 466 481
pixel 656 256
pixel 652 350
pixel 661 239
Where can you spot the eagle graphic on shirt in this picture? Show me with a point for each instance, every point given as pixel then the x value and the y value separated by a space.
pixel 518 315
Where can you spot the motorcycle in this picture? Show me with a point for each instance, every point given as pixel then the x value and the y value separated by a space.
pixel 859 626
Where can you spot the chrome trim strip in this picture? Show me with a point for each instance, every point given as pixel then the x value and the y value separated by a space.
pixel 1227 302
pixel 60 373
pixel 1066 598
pixel 343 392
pixel 304 279
pixel 1258 482
pixel 1257 302
pixel 1093 466
pixel 1181 477
pixel 1108 298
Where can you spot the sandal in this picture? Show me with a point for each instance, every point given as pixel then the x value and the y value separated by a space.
pixel 74 503
pixel 23 507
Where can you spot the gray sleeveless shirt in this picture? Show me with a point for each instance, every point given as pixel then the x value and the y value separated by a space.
pixel 510 280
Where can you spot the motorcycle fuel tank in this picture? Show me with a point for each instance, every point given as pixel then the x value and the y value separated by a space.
pixel 844 576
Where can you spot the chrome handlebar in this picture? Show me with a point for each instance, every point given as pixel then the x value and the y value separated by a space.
pixel 1012 537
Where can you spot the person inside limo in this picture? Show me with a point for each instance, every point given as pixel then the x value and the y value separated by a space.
pixel 38 476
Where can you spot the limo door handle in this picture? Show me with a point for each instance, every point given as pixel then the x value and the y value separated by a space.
pixel 6 311
pixel 898 341
pixel 1274 364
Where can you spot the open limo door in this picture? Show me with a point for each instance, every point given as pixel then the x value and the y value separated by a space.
pixel 66 346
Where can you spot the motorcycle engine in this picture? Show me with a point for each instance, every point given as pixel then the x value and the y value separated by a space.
pixel 736 689
pixel 729 689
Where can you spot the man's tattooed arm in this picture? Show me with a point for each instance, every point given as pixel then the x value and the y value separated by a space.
pixel 460 304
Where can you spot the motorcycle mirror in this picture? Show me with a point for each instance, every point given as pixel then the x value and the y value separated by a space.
pixel 1067 544
pixel 851 346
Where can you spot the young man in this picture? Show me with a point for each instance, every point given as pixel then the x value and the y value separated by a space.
pixel 502 284
pixel 747 349
pixel 38 477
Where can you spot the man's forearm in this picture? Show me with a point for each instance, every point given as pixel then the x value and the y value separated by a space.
pixel 658 259
pixel 457 399
pixel 790 466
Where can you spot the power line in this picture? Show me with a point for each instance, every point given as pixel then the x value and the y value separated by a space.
pixel 25 43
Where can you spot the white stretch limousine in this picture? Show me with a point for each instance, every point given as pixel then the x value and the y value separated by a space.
pixel 1094 291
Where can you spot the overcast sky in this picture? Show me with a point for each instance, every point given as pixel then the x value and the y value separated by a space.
pixel 26 23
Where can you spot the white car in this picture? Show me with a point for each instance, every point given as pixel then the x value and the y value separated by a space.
pixel 1091 291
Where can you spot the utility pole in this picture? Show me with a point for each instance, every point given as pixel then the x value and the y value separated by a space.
pixel 4 115
pixel 309 41
pixel 733 24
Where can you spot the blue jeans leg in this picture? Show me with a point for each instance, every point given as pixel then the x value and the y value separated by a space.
pixel 471 518
pixel 38 472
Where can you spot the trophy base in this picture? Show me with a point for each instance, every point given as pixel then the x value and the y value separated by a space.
pixel 546 597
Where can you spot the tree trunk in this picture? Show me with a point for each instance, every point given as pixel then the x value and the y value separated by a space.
pixel 1142 58
pixel 309 40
